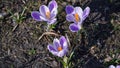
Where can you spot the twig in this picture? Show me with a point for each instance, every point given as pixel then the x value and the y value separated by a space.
pixel 14 27
pixel 47 33
pixel 67 39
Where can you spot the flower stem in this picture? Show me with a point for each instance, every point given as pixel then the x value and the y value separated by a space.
pixel 48 28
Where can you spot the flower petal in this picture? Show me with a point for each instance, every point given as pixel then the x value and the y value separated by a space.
pixel 74 27
pixel 56 43
pixel 63 42
pixel 43 10
pixel 53 13
pixel 118 66
pixel 36 15
pixel 86 13
pixel 69 9
pixel 52 5
pixel 70 18
pixel 52 21
pixel 54 53
pixel 111 66
pixel 61 53
pixel 43 18
pixel 79 11
pixel 52 16
pixel 51 47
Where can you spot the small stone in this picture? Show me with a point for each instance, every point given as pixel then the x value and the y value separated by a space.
pixel 68 0
pixel 64 3
pixel 108 59
pixel 54 63
pixel 2 15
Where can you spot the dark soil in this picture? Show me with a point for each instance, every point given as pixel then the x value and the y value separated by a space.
pixel 22 47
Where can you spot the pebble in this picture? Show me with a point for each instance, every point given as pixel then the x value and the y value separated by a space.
pixel 2 14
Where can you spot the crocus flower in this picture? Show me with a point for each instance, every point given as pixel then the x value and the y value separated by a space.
pixel 46 13
pixel 59 47
pixel 112 66
pixel 76 15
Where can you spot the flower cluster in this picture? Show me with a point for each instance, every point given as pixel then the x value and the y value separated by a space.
pixel 59 47
pixel 48 14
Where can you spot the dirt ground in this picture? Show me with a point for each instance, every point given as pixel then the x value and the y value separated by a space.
pixel 23 41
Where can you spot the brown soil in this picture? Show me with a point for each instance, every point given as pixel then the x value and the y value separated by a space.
pixel 96 46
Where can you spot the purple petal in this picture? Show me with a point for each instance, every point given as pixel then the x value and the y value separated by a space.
pixel 43 10
pixel 52 5
pixel 52 16
pixel 56 43
pixel 63 42
pixel 111 66
pixel 36 15
pixel 74 27
pixel 53 13
pixel 70 18
pixel 61 53
pixel 52 21
pixel 69 9
pixel 51 48
pixel 86 13
pixel 118 66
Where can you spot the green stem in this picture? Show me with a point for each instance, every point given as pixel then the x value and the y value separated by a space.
pixel 64 61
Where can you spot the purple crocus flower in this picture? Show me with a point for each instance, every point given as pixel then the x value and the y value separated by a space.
pixel 112 66
pixel 76 15
pixel 45 13
pixel 59 47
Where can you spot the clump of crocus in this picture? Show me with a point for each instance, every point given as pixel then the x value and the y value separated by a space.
pixel 59 47
pixel 76 15
pixel 46 13
pixel 112 66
